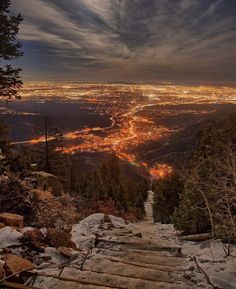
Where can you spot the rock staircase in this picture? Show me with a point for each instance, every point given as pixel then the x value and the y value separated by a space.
pixel 123 260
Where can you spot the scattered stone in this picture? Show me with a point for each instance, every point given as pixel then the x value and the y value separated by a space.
pixel 2 225
pixel 117 222
pixel 177 252
pixel 34 236
pixel 56 257
pixel 2 272
pixel 66 252
pixel 59 239
pixel 6 251
pixel 12 220
pixel 69 253
pixel 35 239
pixel 14 264
pixel 138 235
pixel 38 260
pixel 9 236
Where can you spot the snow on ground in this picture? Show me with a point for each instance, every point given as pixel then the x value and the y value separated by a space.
pixel 212 258
pixel 56 257
pixel 9 236
pixel 117 222
pixel 210 255
pixel 85 232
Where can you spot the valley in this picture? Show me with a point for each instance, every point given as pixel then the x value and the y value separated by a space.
pixel 138 122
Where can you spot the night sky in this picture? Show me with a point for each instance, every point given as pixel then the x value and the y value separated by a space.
pixel 128 40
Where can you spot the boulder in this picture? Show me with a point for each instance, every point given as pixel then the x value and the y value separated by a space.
pixel 14 264
pixel 9 236
pixel 95 225
pixel 12 220
pixel 35 239
pixel 58 239
pixel 49 182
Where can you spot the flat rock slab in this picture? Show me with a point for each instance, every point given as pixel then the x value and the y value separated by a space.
pixel 12 220
pixel 148 258
pixel 105 280
pixel 133 270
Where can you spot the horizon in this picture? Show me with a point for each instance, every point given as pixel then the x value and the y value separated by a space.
pixel 115 82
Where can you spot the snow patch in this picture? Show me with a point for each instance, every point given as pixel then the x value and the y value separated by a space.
pixel 210 255
pixel 9 236
pixel 117 222
pixel 212 258
pixel 85 232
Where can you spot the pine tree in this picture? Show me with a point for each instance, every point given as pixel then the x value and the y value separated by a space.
pixel 49 155
pixel 209 195
pixel 10 80
pixel 166 197
pixel 4 140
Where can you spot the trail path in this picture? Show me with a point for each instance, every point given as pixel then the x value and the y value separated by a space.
pixel 131 258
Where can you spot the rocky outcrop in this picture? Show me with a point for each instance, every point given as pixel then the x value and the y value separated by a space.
pixel 48 211
pixel 48 182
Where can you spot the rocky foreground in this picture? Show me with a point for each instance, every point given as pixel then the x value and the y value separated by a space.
pixel 102 251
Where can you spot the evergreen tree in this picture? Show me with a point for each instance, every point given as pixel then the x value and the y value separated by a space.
pixel 49 155
pixel 209 195
pixel 4 140
pixel 10 80
pixel 107 183
pixel 166 197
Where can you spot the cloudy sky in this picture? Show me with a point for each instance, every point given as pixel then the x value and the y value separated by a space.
pixel 130 40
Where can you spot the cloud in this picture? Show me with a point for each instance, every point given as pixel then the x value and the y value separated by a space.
pixel 115 37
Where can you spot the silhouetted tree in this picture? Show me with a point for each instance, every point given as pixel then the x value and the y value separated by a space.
pixel 208 199
pixel 48 155
pixel 166 197
pixel 108 183
pixel 4 140
pixel 10 80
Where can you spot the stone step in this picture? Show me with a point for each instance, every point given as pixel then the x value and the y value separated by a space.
pixel 105 280
pixel 138 245
pixel 119 267
pixel 171 262
pixel 142 252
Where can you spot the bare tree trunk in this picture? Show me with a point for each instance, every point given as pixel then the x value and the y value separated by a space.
pixel 231 171
pixel 46 144
pixel 210 213
pixel 230 213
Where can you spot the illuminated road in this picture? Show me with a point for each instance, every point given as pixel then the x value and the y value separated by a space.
pixel 131 123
